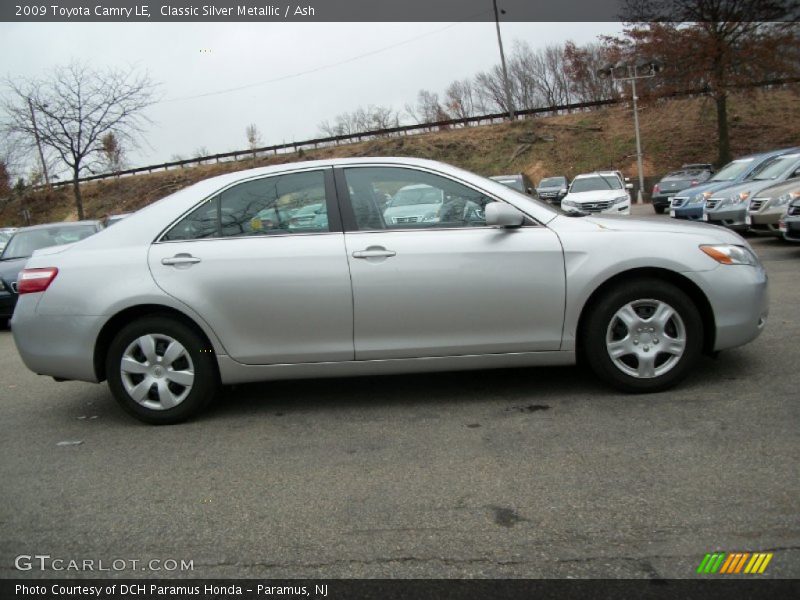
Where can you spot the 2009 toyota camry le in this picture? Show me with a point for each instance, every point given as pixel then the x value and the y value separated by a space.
pixel 305 270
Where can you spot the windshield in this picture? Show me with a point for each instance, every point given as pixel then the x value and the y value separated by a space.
pixel 593 184
pixel 553 182
pixel 4 237
pixel 733 170
pixel 24 243
pixel 410 196
pixel 778 167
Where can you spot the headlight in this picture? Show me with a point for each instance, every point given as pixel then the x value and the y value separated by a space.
pixel 430 218
pixel 786 198
pixel 3 286
pixel 569 203
pixel 740 197
pixel 728 254
pixel 620 199
pixel 701 197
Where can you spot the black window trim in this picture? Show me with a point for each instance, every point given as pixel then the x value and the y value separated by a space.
pixel 334 216
pixel 348 214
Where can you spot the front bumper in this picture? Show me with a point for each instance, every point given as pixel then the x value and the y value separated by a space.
pixel 766 221
pixel 732 217
pixel 693 212
pixel 791 229
pixel 739 299
pixel 7 303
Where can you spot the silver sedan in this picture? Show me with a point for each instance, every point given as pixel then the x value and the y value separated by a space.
pixel 217 284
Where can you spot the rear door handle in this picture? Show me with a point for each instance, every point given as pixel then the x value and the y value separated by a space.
pixel 180 259
pixel 374 252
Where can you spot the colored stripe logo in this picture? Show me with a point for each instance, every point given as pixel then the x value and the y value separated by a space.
pixel 735 563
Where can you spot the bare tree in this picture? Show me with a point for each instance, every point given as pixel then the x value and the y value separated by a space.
pixel 112 152
pixel 459 99
pixel 253 139
pixel 74 107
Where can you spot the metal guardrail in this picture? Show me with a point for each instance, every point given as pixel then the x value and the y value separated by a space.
pixel 389 131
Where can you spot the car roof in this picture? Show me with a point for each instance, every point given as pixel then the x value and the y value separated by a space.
pixel 597 174
pixel 57 224
pixel 500 177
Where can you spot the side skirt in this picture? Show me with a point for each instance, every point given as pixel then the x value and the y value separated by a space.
pixel 234 372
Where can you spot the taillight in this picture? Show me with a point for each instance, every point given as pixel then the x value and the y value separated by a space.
pixel 695 182
pixel 31 281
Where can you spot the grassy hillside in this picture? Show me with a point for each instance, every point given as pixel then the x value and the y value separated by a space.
pixel 673 132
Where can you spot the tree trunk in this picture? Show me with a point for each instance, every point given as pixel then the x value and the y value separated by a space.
pixel 76 188
pixel 724 147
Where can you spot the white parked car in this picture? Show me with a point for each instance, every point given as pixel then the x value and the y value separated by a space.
pixel 414 204
pixel 599 192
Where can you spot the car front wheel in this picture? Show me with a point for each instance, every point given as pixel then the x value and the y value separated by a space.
pixel 161 371
pixel 643 336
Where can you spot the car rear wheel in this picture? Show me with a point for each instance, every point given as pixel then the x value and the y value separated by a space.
pixel 643 336
pixel 161 371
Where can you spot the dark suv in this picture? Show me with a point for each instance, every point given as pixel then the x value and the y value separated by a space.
pixel 553 189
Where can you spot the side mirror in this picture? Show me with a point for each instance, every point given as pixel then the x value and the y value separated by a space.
pixel 628 186
pixel 498 214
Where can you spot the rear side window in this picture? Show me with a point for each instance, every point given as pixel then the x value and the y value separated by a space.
pixel 291 203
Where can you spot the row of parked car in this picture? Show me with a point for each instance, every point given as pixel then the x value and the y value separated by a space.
pixel 596 192
pixel 758 193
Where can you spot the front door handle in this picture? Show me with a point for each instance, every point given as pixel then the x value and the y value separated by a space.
pixel 374 252
pixel 180 259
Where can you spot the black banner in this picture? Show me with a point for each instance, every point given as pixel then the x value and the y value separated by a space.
pixel 395 10
pixel 377 589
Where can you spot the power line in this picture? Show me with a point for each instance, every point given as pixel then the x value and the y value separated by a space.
pixel 323 67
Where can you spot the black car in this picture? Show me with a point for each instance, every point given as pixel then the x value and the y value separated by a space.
pixel 553 189
pixel 672 183
pixel 23 244
pixel 519 182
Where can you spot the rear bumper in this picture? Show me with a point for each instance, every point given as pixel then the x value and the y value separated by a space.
pixel 739 299
pixel 59 346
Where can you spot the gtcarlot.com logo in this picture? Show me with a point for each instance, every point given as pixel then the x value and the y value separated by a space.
pixel 735 563
pixel 45 562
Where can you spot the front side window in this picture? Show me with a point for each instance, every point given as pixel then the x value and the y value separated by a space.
pixel 291 203
pixel 397 198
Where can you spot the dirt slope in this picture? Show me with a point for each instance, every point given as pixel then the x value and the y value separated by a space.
pixel 673 132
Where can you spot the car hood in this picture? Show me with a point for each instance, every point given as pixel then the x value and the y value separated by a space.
pixel 753 186
pixel 779 189
pixel 707 187
pixel 625 223
pixel 595 195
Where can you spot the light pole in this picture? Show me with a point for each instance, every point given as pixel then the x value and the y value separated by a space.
pixel 509 101
pixel 641 70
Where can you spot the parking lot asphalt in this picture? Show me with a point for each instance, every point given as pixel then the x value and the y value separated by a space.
pixel 509 473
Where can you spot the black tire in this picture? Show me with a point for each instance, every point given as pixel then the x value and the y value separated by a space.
pixel 201 360
pixel 659 209
pixel 599 323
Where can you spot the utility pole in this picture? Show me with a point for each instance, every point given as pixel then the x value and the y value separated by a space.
pixel 642 70
pixel 509 101
pixel 639 198
pixel 38 143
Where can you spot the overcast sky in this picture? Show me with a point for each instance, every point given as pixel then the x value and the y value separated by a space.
pixel 399 59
